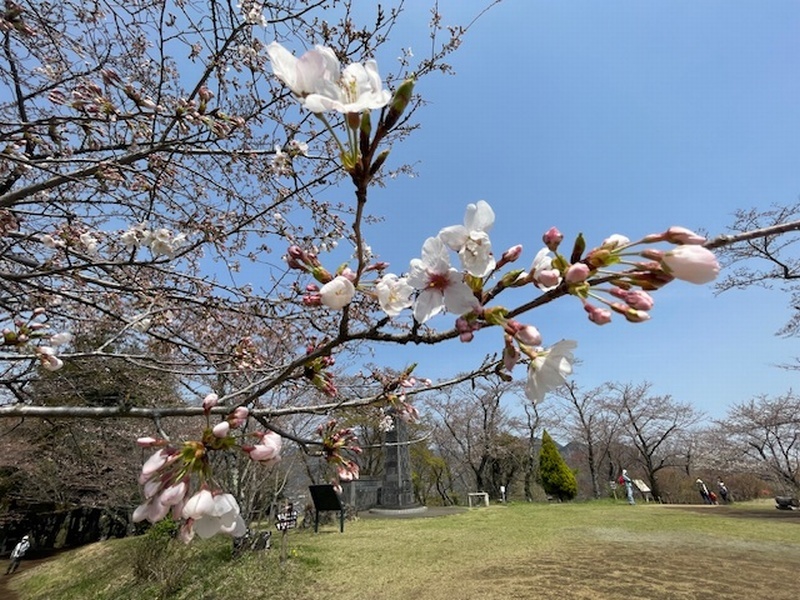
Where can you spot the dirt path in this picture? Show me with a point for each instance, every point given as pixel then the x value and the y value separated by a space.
pixel 36 558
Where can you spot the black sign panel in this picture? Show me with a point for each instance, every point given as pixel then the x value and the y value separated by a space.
pixel 325 497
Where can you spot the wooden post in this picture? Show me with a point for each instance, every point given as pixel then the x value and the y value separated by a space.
pixel 284 544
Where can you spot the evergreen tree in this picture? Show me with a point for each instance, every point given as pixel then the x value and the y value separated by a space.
pixel 557 478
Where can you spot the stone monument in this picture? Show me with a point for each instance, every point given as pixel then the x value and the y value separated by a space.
pixel 397 491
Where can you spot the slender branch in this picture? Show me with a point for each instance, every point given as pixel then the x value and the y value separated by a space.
pixel 727 240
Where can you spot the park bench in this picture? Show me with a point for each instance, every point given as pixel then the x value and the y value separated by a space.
pixel 481 497
pixel 787 503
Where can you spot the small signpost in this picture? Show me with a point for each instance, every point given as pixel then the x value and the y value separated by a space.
pixel 286 520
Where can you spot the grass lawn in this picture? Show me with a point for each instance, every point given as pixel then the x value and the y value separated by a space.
pixel 566 551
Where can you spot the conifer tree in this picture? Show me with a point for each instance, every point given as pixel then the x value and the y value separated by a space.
pixel 556 477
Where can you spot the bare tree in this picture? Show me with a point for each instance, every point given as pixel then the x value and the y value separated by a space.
pixel 470 422
pixel 766 432
pixel 654 425
pixel 768 261
pixel 589 422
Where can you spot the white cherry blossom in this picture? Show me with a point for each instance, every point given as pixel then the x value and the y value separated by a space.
pixel 211 514
pixel 317 80
pixel 337 293
pixel 394 294
pixel 316 72
pixel 440 285
pixel 691 263
pixel 471 240
pixel 549 370
pixel 544 275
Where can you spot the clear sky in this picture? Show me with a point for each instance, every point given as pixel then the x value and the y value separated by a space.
pixel 601 118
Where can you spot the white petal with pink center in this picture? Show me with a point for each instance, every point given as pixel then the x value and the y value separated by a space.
pixel 441 286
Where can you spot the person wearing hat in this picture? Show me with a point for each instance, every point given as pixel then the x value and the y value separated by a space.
pixel 626 480
pixel 701 487
pixel 17 553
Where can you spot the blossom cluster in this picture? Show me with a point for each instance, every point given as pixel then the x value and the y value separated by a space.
pixel 160 242
pixel 33 332
pixel 178 480
pixel 321 85
pixel 335 441
pixel 281 163
pixel 616 277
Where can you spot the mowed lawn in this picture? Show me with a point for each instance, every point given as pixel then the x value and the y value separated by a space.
pixel 590 550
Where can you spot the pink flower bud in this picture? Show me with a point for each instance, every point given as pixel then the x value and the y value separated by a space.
pixel 509 256
pixel 691 263
pixel 345 474
pixel 631 314
pixel 598 316
pixel 174 494
pixel 147 442
pixel 577 273
pixel 153 464
pixel 312 300
pixel 221 429
pixel 681 235
pixel 616 241
pixel 511 356
pixel 205 94
pixel 552 238
pixel 548 278
pixel 268 451
pixel 239 416
pixel 210 401
pixel 637 299
pixel 348 273
pixel 652 254
pixel 529 335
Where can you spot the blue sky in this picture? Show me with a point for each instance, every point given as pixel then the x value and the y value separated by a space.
pixel 601 118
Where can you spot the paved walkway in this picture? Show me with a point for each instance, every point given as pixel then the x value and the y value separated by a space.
pixel 431 511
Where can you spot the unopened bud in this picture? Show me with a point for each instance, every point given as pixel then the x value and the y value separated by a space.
pixel 598 316
pixel 509 256
pixel 210 401
pixel 578 249
pixel 399 103
pixel 379 160
pixel 577 273
pixel 221 429
pixel 552 238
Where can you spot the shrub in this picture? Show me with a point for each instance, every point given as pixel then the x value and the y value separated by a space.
pixel 556 477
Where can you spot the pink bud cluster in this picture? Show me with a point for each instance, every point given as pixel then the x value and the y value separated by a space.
pixel 335 442
pixel 178 480
pixel 316 371
pixel 297 258
pixel 582 273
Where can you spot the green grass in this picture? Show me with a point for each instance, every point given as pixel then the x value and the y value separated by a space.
pixel 580 550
